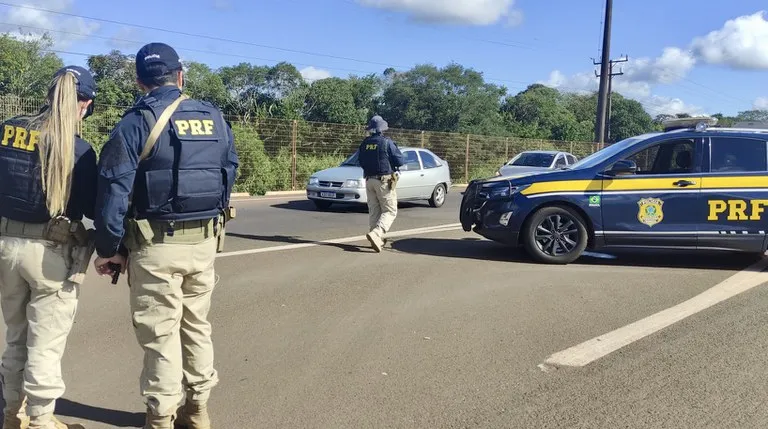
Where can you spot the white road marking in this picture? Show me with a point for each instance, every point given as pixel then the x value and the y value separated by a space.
pixel 276 198
pixel 596 348
pixel 415 231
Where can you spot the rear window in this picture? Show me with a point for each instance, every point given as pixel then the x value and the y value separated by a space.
pixel 532 159
pixel 737 154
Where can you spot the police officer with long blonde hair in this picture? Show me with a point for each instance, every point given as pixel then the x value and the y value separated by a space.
pixel 47 184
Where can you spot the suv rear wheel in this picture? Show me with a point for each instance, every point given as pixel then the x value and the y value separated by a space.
pixel 555 235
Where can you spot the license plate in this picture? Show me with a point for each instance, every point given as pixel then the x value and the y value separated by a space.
pixel 328 194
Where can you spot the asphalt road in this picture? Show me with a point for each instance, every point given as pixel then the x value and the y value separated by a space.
pixel 441 330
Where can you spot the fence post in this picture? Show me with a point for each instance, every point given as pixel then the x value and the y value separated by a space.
pixel 422 138
pixel 506 149
pixel 466 163
pixel 571 150
pixel 294 137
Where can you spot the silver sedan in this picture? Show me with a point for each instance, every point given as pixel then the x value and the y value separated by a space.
pixel 534 161
pixel 424 176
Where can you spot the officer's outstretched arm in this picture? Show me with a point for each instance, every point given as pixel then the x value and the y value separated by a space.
pixel 117 170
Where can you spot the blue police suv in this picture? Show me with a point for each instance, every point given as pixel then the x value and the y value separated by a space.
pixel 693 186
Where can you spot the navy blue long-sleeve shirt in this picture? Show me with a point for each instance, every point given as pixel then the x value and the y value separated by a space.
pixel 82 200
pixel 117 172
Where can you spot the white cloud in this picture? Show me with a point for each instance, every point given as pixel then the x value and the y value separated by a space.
pixel 64 30
pixel 472 12
pixel 742 43
pixel 311 74
pixel 586 83
pixel 761 103
pixel 673 65
pixel 222 4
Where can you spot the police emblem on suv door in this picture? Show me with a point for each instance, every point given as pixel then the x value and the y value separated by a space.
pixel 650 212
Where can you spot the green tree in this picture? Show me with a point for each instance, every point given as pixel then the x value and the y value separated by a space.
pixel 628 118
pixel 26 68
pixel 452 99
pixel 115 75
pixel 332 100
pixel 752 116
pixel 202 83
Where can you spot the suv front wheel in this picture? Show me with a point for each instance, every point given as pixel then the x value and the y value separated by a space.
pixel 555 235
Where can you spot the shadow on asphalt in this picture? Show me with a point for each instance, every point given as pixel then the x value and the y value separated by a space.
pixel 309 206
pixel 123 419
pixel 484 250
pixel 294 240
pixel 66 408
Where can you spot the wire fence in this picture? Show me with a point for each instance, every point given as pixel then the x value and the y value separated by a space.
pixel 281 155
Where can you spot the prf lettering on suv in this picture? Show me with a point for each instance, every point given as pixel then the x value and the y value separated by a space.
pixel 694 186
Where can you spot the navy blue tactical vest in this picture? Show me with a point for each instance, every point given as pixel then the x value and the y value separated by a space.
pixel 183 178
pixel 21 190
pixel 374 156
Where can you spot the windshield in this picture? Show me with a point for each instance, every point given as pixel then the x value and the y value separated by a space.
pixel 351 161
pixel 533 159
pixel 601 155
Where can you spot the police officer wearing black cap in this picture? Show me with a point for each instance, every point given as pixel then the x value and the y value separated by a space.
pixel 165 179
pixel 47 186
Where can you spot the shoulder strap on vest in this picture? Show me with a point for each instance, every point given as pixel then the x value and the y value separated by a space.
pixel 159 125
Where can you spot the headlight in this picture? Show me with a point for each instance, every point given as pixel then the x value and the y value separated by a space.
pixel 501 189
pixel 353 183
pixel 314 181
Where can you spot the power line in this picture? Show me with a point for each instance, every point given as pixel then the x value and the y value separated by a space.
pixel 274 47
pixel 203 51
pixel 220 39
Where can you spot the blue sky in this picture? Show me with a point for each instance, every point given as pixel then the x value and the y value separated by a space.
pixel 684 56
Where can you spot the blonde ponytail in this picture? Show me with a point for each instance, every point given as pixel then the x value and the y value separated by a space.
pixel 58 126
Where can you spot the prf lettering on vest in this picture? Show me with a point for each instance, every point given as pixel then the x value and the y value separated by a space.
pixel 371 147
pixel 20 138
pixel 195 127
pixel 736 209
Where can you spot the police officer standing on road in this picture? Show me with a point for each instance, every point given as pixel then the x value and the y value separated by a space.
pixel 380 159
pixel 165 180
pixel 47 185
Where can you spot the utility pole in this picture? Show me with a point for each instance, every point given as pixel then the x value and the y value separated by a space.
pixel 604 76
pixel 611 74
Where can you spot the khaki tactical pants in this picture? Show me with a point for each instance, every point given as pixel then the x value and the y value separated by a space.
pixel 39 307
pixel 382 204
pixel 171 286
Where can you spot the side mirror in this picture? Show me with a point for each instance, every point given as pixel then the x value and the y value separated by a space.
pixel 622 167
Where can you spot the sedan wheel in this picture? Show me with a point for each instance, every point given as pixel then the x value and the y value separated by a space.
pixel 438 196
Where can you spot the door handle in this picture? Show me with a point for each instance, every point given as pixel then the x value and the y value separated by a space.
pixel 684 183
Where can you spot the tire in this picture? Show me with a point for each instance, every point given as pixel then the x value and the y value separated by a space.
pixel 322 205
pixel 569 243
pixel 438 196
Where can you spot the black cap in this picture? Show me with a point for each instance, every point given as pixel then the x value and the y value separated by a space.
pixel 156 59
pixel 86 85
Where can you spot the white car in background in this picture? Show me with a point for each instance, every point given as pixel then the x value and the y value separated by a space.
pixel 534 161
pixel 424 176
